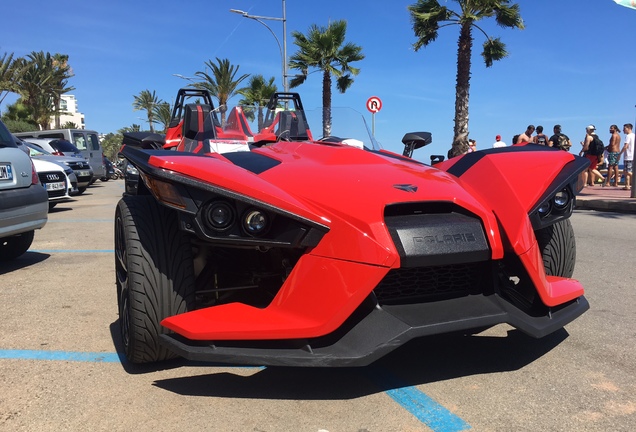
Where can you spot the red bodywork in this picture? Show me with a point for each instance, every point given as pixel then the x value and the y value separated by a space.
pixel 347 189
pixel 372 209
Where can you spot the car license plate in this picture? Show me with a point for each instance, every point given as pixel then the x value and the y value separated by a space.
pixel 5 172
pixel 83 173
pixel 55 186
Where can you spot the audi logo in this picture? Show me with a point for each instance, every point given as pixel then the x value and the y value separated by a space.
pixel 52 177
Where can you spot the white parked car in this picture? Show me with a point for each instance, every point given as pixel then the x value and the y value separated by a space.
pixel 54 180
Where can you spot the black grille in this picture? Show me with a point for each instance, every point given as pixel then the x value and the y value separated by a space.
pixel 57 193
pixel 422 284
pixel 78 165
pixel 51 177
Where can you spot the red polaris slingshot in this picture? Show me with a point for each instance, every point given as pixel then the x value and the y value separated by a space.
pixel 243 238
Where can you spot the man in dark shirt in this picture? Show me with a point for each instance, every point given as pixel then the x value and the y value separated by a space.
pixel 559 140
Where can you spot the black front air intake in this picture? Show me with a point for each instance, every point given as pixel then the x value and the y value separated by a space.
pixel 443 254
pixel 427 284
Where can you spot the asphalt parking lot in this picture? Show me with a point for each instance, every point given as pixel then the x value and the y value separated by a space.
pixel 60 368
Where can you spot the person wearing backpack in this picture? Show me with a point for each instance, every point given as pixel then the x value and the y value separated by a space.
pixel 559 140
pixel 593 149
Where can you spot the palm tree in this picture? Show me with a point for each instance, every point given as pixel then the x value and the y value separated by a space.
pixel 61 73
pixel 322 48
pixel 147 101
pixel 222 83
pixel 8 75
pixel 132 128
pixel 33 85
pixel 256 95
pixel 163 113
pixel 40 80
pixel 428 16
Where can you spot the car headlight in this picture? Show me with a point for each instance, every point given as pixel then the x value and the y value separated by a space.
pixel 255 222
pixel 544 209
pixel 218 215
pixel 562 199
pixel 131 170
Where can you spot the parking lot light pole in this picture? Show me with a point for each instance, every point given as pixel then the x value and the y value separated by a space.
pixel 184 77
pixel 283 49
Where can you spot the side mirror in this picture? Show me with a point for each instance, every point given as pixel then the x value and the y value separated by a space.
pixel 414 140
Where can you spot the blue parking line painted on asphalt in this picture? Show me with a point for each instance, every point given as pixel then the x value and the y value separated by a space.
pixel 418 403
pixel 72 250
pixel 79 220
pixel 94 357
pixel 427 410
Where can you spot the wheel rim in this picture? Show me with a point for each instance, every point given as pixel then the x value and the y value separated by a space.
pixel 124 320
pixel 121 272
pixel 121 255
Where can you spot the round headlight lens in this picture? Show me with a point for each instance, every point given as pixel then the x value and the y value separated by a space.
pixel 544 209
pixel 255 222
pixel 219 216
pixel 562 199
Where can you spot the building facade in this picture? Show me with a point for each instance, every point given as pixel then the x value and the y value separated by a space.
pixel 69 113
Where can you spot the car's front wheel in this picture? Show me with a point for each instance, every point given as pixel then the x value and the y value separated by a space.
pixel 154 275
pixel 558 248
pixel 14 246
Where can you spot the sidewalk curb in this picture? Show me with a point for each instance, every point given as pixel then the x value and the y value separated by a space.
pixel 606 204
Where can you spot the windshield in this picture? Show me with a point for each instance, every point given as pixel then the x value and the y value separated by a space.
pixel 35 151
pixel 64 146
pixel 6 139
pixel 197 126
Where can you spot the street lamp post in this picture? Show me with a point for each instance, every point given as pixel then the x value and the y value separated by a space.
pixel 184 77
pixel 283 50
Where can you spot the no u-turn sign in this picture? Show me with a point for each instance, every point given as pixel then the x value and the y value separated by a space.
pixel 374 104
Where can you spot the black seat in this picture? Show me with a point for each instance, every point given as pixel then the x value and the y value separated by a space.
pixel 198 127
pixel 291 127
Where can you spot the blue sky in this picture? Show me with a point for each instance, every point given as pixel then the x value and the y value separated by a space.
pixel 574 64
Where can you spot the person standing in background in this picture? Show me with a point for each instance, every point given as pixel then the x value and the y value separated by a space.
pixel 592 172
pixel 540 138
pixel 628 149
pixel 613 156
pixel 559 140
pixel 498 142
pixel 526 137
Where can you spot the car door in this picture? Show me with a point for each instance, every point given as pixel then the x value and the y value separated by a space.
pixel 88 145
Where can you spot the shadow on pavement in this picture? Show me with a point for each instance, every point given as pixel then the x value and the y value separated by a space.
pixel 23 261
pixel 58 209
pixel 427 360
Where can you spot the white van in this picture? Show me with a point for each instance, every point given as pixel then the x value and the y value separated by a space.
pixel 87 142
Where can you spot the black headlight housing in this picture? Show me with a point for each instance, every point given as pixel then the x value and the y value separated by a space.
pixel 559 200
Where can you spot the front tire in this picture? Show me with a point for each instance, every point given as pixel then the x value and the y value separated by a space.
pixel 558 248
pixel 14 246
pixel 154 275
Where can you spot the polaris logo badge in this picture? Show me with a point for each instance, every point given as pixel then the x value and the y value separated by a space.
pixel 446 238
pixel 406 187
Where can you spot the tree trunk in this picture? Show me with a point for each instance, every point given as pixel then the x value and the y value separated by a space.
pixel 261 117
pixel 462 90
pixel 326 104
